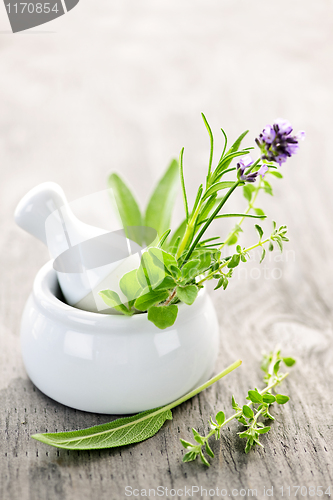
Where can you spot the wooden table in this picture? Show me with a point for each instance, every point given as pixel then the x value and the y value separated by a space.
pixel 120 86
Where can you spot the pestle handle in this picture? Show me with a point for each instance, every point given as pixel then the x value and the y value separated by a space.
pixel 35 207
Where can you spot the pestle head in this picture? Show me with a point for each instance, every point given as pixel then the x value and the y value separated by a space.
pixel 35 207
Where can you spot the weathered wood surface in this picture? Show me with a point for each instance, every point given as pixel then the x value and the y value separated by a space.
pixel 120 85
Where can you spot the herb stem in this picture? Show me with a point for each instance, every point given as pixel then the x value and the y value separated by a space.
pixel 249 208
pixel 259 244
pixel 209 221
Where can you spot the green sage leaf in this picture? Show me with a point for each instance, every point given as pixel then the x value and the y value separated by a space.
pixel 161 203
pixel 120 432
pixel 127 206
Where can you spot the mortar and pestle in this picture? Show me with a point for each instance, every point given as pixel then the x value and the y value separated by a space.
pixel 85 355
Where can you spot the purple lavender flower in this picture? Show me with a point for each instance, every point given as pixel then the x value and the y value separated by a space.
pixel 242 165
pixel 276 142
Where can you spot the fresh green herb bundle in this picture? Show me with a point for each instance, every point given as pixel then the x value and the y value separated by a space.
pixel 137 428
pixel 180 263
pixel 247 416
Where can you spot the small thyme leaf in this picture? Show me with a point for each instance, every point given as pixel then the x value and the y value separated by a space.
pixel 248 417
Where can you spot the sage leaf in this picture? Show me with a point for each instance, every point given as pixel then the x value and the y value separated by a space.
pixel 187 294
pixel 161 203
pixel 163 316
pixel 127 430
pixel 112 299
pixel 127 206
pixel 120 432
pixel 149 299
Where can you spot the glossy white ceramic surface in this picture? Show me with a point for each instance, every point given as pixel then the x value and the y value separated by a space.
pixel 114 364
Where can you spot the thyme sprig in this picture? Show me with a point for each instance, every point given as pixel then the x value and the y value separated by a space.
pixel 260 401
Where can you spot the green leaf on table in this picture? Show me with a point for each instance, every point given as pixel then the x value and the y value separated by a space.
pixel 197 437
pixel 262 255
pixel 258 211
pixel 161 203
pixel 112 299
pixel 254 396
pixel 187 294
pixel 120 432
pixel 247 412
pixel 149 299
pixel 209 451
pixel 189 456
pixel 127 206
pixel 163 316
pixel 281 399
pixel 220 417
pixel 263 430
pixel 268 398
pixel 289 361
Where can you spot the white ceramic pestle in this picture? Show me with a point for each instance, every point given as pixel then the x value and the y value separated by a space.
pixel 87 259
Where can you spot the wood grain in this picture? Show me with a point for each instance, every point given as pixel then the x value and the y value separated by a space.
pixel 121 86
